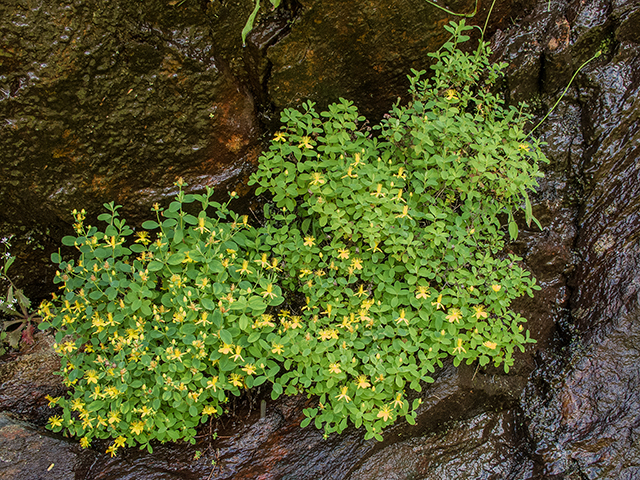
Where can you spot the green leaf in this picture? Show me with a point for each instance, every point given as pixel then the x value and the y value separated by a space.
pixel 527 209
pixel 154 266
pixel 277 390
pixel 226 337
pixel 513 230
pixel 69 241
pixel 249 25
pixel 150 225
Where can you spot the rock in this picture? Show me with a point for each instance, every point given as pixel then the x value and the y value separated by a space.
pixel 27 453
pixel 586 425
pixel 485 446
pixel 26 379
pixel 582 411
pixel 114 102
pixel 569 407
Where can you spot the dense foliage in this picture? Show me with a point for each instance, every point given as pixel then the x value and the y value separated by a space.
pixel 386 245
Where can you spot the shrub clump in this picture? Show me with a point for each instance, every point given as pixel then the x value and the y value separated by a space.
pixel 387 248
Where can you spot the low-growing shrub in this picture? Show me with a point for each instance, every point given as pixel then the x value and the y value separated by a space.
pixel 154 333
pixel 386 245
pixel 394 239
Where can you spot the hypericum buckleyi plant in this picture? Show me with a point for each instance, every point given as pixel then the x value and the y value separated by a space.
pixel 387 246
pixel 395 239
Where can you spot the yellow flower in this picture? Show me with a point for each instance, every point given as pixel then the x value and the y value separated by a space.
pixel 225 349
pixel 112 391
pixel 350 173
pixel 112 450
pixel 356 263
pixel 374 248
pixel 77 404
pixel 143 237
pixel 438 303
pixel 343 395
pixel 269 292
pixel 120 441
pixel 524 147
pixel 361 291
pixel 235 380
pixel 454 316
pixel 274 265
pixel 114 417
pixel 85 442
pixel 343 253
pixel 96 393
pixel 263 261
pixel 203 320
pixel 398 401
pixel 401 173
pixel 277 348
pixel 459 348
pixel 327 334
pixel 385 413
pixel 378 193
pixel 305 142
pixel 318 179
pixel 335 368
pixel 237 355
pixel 295 322
pixel 52 400
pixel 249 368
pixel 175 355
pixel 496 288
pixel 490 345
pixel 304 272
pixel 55 421
pixel 451 94
pixel 86 422
pixel 422 292
pixel 245 268
pixel 192 395
pixel 309 241
pixel 137 427
pixel 211 383
pixel 405 212
pixel 402 318
pixel 480 313
pixel 92 376
pixel 68 347
pixel 279 137
pixel 362 381
pixel 201 225
pixel 209 410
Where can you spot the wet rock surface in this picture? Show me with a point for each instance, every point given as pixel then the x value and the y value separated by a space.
pixel 570 407
pixel 28 377
pixel 30 454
